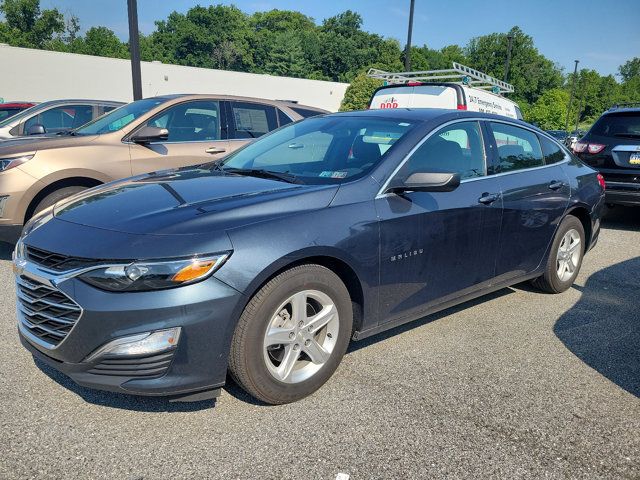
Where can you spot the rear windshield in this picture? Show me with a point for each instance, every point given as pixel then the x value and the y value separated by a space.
pixel 22 115
pixel 622 124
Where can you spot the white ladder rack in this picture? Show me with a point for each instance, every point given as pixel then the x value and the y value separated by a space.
pixel 460 74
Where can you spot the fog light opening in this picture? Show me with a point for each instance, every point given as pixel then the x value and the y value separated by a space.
pixel 147 343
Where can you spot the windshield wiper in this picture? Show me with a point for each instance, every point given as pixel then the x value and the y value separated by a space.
pixel 261 173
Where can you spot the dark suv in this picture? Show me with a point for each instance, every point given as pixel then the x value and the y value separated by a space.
pixel 612 146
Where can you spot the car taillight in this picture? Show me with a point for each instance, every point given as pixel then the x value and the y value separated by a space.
pixel 462 107
pixel 413 84
pixel 602 182
pixel 580 147
pixel 594 148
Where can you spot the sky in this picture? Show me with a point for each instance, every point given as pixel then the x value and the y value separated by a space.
pixel 602 34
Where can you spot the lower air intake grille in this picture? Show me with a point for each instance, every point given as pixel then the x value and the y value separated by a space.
pixel 148 366
pixel 45 311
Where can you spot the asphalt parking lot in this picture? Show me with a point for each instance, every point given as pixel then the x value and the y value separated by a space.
pixel 518 384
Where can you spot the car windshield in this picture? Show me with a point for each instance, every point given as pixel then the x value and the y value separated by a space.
pixel 119 118
pixel 22 115
pixel 320 150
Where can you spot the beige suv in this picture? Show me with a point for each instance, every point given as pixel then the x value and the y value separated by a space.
pixel 144 136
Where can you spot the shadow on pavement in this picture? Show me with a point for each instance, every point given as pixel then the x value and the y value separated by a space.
pixel 622 218
pixel 355 346
pixel 603 328
pixel 122 401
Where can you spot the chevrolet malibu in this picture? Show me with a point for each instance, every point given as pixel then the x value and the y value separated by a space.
pixel 267 263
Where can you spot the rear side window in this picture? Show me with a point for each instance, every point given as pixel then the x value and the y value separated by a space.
pixel 282 118
pixel 252 120
pixel 517 148
pixel 305 112
pixel 620 125
pixel 552 152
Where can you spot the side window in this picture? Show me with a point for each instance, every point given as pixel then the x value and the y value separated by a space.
pixel 306 112
pixel 517 148
pixel 457 148
pixel 190 122
pixel 282 118
pixel 252 120
pixel 552 152
pixel 62 118
pixel 108 108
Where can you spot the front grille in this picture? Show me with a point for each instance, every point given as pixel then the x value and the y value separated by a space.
pixel 57 261
pixel 46 312
pixel 148 366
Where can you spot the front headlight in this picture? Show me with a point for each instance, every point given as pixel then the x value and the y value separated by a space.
pixel 7 163
pixel 153 275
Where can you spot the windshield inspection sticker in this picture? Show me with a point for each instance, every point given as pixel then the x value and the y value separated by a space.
pixel 330 174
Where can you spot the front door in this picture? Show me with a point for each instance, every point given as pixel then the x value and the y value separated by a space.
pixel 197 134
pixel 535 195
pixel 436 246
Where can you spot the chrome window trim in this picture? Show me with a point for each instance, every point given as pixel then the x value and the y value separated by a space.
pixel 382 192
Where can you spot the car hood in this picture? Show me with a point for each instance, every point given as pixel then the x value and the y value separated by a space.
pixel 189 201
pixel 32 144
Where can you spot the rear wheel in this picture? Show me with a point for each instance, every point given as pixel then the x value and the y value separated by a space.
pixel 565 257
pixel 56 196
pixel 292 335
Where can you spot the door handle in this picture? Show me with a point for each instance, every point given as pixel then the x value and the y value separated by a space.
pixel 213 150
pixel 488 198
pixel 556 185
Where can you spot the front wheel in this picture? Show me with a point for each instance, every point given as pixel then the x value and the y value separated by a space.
pixel 292 335
pixel 565 257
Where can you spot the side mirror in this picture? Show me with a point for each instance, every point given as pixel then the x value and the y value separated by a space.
pixel 428 182
pixel 36 129
pixel 148 134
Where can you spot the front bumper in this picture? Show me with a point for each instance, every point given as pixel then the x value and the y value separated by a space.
pixel 205 311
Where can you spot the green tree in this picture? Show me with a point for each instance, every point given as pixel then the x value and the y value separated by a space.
pixel 549 112
pixel 359 93
pixel 530 72
pixel 631 69
pixel 100 41
pixel 26 25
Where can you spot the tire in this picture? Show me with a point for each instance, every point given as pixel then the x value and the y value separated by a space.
pixel 268 370
pixel 56 196
pixel 552 281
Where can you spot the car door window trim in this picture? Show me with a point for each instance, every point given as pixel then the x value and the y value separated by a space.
pixel 382 192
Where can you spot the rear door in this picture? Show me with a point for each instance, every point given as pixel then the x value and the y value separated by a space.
pixel 248 121
pixel 535 195
pixel 197 134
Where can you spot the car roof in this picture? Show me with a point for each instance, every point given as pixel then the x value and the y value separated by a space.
pixel 16 104
pixel 622 109
pixel 431 114
pixel 220 96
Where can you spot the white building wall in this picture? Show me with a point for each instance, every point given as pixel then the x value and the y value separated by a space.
pixel 39 75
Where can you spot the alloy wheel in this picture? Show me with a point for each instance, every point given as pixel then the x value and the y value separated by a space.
pixel 568 256
pixel 301 336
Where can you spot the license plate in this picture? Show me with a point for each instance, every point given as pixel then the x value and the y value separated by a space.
pixel 634 159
